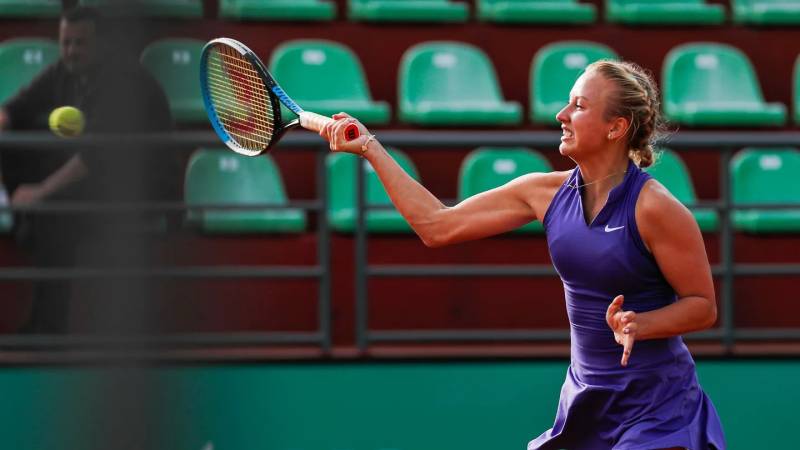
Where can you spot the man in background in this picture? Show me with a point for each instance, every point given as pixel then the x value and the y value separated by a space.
pixel 117 96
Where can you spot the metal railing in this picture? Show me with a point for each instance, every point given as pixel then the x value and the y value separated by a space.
pixel 723 142
pixel 321 271
pixel 726 143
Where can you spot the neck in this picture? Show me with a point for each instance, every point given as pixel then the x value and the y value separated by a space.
pixel 602 173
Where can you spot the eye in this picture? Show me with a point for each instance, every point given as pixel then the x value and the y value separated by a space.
pixel 578 105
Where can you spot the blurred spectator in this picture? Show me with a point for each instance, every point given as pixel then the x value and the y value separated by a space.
pixel 116 95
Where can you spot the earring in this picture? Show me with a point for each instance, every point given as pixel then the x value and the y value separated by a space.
pixel 609 136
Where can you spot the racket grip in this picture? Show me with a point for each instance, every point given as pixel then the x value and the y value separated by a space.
pixel 315 122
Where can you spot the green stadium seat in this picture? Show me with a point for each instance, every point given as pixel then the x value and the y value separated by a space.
pixel 451 83
pixel 536 11
pixel 6 218
pixel 796 91
pixel 766 12
pixel 664 12
pixel 342 213
pixel 408 11
pixel 30 8
pixel 670 171
pixel 175 63
pixel 326 77
pixel 277 10
pixel 28 57
pixel 486 168
pixel 709 84
pixel 554 69
pixel 174 9
pixel 216 176
pixel 766 176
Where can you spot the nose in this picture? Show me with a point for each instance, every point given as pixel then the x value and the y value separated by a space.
pixel 563 115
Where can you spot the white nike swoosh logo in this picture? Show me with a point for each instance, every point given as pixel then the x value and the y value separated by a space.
pixel 608 230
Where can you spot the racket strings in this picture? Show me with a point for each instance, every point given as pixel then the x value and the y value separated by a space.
pixel 240 98
pixel 243 105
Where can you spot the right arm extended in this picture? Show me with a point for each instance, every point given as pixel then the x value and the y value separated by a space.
pixel 492 212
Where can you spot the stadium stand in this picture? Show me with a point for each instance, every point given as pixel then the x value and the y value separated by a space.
pixel 536 11
pixel 707 84
pixel 219 176
pixel 342 211
pixel 28 56
pixel 664 12
pixel 171 9
pixel 30 8
pixel 288 10
pixel 671 171
pixel 490 93
pixel 408 11
pixel 766 12
pixel 766 176
pixel 554 69
pixel 486 168
pixel 460 87
pixel 326 77
pixel 175 63
pixel 796 90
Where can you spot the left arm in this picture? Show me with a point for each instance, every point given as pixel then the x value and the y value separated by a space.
pixel 73 170
pixel 670 232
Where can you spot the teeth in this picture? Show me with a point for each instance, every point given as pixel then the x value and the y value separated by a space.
pixel 567 133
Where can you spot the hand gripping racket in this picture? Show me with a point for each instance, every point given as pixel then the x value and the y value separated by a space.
pixel 243 100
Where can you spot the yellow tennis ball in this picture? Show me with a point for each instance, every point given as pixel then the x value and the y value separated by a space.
pixel 66 121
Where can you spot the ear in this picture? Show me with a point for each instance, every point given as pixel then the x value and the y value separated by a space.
pixel 619 127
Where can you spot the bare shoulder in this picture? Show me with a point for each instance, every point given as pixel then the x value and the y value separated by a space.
pixel 539 188
pixel 658 212
pixel 539 180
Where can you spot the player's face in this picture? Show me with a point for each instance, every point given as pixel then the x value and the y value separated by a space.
pixel 77 41
pixel 583 123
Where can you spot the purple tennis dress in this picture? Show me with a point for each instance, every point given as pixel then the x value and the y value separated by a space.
pixel 653 403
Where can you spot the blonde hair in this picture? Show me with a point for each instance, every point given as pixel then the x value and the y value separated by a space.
pixel 637 99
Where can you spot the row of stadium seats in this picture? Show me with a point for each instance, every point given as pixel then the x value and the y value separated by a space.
pixel 656 12
pixel 704 84
pixel 217 176
pixel 213 176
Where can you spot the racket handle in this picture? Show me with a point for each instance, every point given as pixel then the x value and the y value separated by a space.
pixel 315 122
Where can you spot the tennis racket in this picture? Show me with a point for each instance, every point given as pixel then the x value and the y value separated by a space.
pixel 243 100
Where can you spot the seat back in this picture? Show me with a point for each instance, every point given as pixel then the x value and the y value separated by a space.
pixel 221 176
pixel 447 72
pixel 27 57
pixel 655 2
pixel 30 8
pixel 761 175
pixel 319 70
pixel 796 91
pixel 486 168
pixel 709 73
pixel 554 69
pixel 753 3
pixel 341 169
pixel 342 181
pixel 175 63
pixel 671 171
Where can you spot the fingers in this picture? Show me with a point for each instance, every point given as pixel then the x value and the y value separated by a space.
pixel 614 307
pixel 341 115
pixel 627 347
pixel 332 131
pixel 335 133
pixel 627 317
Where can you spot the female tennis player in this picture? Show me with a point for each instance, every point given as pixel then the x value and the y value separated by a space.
pixel 631 257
